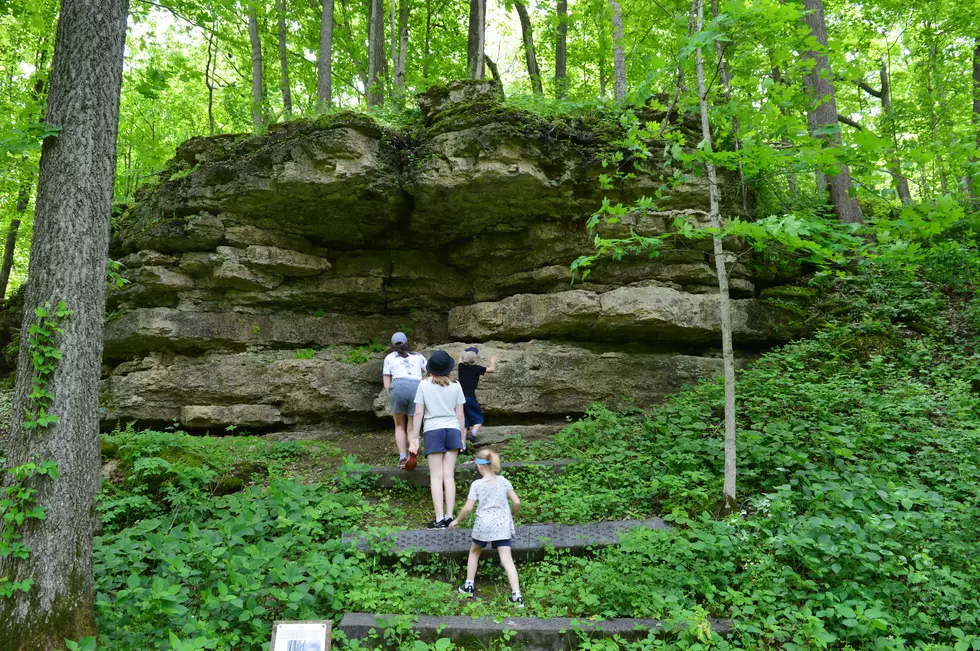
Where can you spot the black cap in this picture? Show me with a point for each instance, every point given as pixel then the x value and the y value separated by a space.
pixel 441 363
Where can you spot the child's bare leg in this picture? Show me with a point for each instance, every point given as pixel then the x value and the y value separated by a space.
pixel 472 562
pixel 401 433
pixel 436 482
pixel 449 479
pixel 507 560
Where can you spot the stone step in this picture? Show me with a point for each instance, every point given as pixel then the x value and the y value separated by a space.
pixel 482 632
pixel 529 542
pixel 391 477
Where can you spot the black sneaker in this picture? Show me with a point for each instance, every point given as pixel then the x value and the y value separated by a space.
pixel 467 590
pixel 515 599
pixel 446 521
pixel 439 524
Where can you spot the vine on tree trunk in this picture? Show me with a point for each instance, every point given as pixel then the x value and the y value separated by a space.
pixel 17 497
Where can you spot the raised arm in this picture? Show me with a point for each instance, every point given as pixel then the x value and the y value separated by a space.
pixel 463 514
pixel 493 365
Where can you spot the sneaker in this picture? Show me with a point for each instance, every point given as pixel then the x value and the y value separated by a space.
pixel 516 599
pixel 402 462
pixel 439 524
pixel 447 521
pixel 467 590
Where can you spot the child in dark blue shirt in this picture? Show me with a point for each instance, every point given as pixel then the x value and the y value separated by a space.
pixel 469 377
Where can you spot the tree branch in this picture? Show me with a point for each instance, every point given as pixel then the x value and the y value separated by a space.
pixel 849 122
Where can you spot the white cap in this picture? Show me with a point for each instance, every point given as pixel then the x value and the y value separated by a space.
pixel 399 339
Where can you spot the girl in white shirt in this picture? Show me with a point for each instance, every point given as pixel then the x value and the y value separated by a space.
pixel 402 373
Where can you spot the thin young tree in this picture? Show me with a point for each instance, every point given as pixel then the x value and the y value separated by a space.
pixel 619 52
pixel 561 51
pixel 287 95
pixel 68 263
pixel 724 305
pixel 884 94
pixel 258 94
pixel 403 15
pixel 527 35
pixel 822 114
pixel 476 39
pixel 376 53
pixel 324 57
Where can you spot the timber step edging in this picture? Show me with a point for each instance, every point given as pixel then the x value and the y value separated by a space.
pixel 528 542
pixel 391 477
pixel 480 632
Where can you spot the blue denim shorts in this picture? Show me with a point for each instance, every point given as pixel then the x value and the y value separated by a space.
pixel 401 396
pixel 472 412
pixel 494 544
pixel 442 440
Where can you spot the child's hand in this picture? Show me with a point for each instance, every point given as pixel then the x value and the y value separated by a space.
pixel 413 447
pixel 454 524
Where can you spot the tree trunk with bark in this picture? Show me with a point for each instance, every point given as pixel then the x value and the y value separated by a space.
pixel 561 51
pixel 23 199
pixel 324 60
pixel 724 305
pixel 476 40
pixel 494 73
pixel 403 10
pixel 822 114
pixel 258 95
pixel 971 180
pixel 209 79
pixel 376 53
pixel 619 52
pixel 527 35
pixel 901 183
pixel 287 95
pixel 68 262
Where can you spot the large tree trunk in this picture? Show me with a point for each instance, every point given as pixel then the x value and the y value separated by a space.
pixel 287 95
pixel 528 37
pixel 619 53
pixel 561 51
pixel 724 306
pixel 258 96
pixel 324 60
pixel 822 114
pixel 403 10
pixel 376 53
pixel 476 41
pixel 68 263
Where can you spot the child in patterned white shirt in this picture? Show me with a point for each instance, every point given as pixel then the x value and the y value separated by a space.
pixel 494 525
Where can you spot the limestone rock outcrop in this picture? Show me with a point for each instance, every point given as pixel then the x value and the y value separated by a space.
pixel 266 272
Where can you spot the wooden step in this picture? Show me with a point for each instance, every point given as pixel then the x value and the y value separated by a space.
pixel 391 477
pixel 529 542
pixel 534 634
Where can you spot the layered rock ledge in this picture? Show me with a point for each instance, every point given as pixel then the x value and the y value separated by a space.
pixel 266 273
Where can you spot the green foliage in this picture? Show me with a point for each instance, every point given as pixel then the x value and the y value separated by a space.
pixel 17 506
pixel 305 353
pixel 45 356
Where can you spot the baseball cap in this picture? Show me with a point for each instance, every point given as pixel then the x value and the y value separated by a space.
pixel 472 349
pixel 399 339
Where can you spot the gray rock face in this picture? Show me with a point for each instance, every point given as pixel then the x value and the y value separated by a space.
pixel 266 273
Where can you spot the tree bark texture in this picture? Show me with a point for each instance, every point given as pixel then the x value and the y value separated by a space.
pixel 561 51
pixel 527 35
pixel 403 11
pixel 68 262
pixel 724 306
pixel 476 41
pixel 324 60
pixel 822 114
pixel 376 53
pixel 287 95
pixel 258 96
pixel 619 53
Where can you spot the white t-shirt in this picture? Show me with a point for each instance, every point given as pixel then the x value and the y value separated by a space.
pixel 410 367
pixel 439 404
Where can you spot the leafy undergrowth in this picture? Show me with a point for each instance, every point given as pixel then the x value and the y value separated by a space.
pixel 858 479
